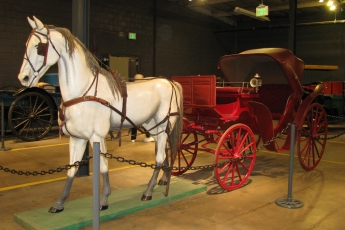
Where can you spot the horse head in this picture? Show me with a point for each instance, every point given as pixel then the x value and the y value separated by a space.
pixel 36 59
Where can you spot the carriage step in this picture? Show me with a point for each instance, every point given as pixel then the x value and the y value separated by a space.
pixel 78 213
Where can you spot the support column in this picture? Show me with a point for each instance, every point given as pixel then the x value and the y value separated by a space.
pixel 292 27
pixel 80 29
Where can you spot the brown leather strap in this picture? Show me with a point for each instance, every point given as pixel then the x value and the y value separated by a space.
pixel 84 99
pixel 124 109
pixel 94 79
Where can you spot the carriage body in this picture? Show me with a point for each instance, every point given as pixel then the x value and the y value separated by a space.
pixel 229 118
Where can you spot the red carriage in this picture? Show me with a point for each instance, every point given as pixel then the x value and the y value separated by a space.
pixel 261 94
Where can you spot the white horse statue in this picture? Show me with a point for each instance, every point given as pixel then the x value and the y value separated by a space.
pixel 92 99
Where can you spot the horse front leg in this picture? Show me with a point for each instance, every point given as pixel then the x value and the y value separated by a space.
pixel 103 204
pixel 76 148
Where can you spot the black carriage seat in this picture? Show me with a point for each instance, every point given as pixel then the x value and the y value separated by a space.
pixel 275 97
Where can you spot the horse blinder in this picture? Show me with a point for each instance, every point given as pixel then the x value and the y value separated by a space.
pixel 42 48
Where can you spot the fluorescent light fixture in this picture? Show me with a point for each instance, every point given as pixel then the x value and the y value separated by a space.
pixel 249 14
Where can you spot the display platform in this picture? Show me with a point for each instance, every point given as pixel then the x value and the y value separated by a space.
pixel 78 213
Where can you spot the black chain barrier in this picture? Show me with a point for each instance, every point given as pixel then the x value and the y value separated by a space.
pixel 44 172
pixel 154 166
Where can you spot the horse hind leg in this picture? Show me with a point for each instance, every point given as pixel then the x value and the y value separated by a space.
pixel 106 191
pixel 160 157
pixel 58 205
pixel 152 183
pixel 167 173
pixel 174 141
pixel 103 205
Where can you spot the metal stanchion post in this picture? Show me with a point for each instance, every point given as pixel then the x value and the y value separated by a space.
pixel 289 202
pixel 96 173
pixel 3 148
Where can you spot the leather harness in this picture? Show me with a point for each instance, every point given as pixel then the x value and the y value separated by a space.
pixel 123 91
pixel 42 50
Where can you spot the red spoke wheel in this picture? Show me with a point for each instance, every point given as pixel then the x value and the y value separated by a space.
pixel 236 156
pixel 311 136
pixel 188 149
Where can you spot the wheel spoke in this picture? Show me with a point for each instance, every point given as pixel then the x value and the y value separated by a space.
pixel 31 116
pixel 311 147
pixel 232 146
pixel 188 150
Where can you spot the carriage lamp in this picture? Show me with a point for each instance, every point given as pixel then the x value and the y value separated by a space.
pixel 255 82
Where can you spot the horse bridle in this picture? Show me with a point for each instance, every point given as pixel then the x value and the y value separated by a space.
pixel 42 50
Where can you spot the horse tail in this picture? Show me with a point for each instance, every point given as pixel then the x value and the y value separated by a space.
pixel 175 135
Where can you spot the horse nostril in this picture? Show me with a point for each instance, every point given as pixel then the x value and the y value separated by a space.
pixel 26 78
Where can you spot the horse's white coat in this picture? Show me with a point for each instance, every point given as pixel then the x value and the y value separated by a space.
pixel 91 121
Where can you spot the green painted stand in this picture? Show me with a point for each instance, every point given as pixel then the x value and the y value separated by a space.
pixel 78 213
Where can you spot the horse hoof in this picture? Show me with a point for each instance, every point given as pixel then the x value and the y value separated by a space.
pixel 55 210
pixel 103 207
pixel 146 198
pixel 162 182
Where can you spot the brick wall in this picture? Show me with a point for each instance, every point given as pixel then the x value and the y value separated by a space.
pixel 184 44
pixel 15 30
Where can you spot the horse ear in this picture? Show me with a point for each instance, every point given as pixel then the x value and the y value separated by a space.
pixel 38 23
pixel 32 23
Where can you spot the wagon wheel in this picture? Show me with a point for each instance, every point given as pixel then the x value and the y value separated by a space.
pixel 234 154
pixel 311 137
pixel 31 116
pixel 188 149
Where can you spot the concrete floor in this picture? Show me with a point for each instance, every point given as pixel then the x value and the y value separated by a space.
pixel 250 207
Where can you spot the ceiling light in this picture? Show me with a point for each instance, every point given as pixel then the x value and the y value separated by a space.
pixel 320 0
pixel 332 7
pixel 249 14
pixel 330 3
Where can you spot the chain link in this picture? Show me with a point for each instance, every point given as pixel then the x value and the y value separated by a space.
pixel 154 166
pixel 337 119
pixel 164 168
pixel 50 171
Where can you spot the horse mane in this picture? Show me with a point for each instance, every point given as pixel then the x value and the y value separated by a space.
pixel 91 62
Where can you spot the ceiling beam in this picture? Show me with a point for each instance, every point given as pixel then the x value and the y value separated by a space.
pixel 221 15
pixel 300 5
pixel 205 7
pixel 207 2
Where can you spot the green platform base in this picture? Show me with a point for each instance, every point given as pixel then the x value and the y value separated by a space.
pixel 78 213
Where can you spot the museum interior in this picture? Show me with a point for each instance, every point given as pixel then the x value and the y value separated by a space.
pixel 174 114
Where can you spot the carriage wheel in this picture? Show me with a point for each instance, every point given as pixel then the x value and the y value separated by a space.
pixel 188 150
pixel 312 136
pixel 233 154
pixel 31 116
